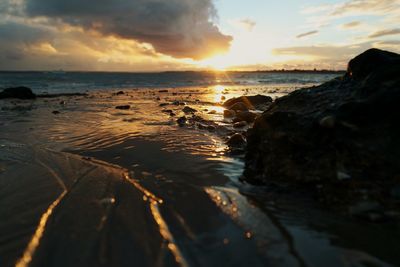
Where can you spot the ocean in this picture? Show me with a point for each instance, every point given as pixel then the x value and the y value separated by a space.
pixel 71 82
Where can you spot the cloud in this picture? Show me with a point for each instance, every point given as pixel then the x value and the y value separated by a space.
pixel 324 51
pixel 352 7
pixel 302 35
pixel 384 33
pixel 180 28
pixel 17 39
pixel 324 14
pixel 248 24
pixel 351 24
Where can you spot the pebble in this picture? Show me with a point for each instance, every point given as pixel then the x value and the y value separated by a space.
pixel 328 122
pixel 236 140
pixel 123 107
pixel 181 121
pixel 240 124
pixel 189 110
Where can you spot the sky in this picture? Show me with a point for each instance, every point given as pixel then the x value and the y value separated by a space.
pixel 160 35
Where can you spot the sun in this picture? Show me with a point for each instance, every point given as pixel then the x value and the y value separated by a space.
pixel 217 63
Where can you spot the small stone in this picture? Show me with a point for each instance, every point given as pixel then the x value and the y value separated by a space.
pixel 55 112
pixel 212 112
pixel 395 192
pixel 120 93
pixel 328 122
pixel 163 104
pixel 211 128
pixel 181 121
pixel 343 176
pixel 178 103
pixel 363 207
pixel 163 91
pixel 123 107
pixel 236 140
pixel 240 124
pixel 189 110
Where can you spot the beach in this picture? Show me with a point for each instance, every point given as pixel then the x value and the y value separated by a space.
pixel 110 178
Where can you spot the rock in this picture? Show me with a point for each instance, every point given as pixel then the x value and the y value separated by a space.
pixel 189 110
pixel 246 116
pixel 212 112
pixel 124 107
pixel 181 121
pixel 55 112
pixel 163 104
pixel 240 124
pixel 251 102
pixel 17 92
pixel 229 113
pixel 353 121
pixel 328 122
pixel 239 107
pixel 210 128
pixel 119 93
pixel 236 140
pixel 364 207
pixel 395 192
pixel 163 91
pixel 178 103
pixel 370 62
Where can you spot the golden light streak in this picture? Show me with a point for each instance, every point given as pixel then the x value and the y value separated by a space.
pixel 164 230
pixel 34 243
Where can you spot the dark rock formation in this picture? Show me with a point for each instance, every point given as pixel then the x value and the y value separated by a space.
pixel 260 102
pixel 246 116
pixel 17 92
pixel 341 137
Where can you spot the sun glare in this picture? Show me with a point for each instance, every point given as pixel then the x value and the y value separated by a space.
pixel 217 63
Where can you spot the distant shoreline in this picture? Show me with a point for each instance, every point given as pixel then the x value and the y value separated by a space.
pixel 291 71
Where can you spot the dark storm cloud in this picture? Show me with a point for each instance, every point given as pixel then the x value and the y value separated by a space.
pixel 16 38
pixel 181 28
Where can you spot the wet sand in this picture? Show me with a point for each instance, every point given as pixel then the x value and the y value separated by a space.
pixel 91 185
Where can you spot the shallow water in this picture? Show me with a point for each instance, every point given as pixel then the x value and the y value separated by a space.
pixel 166 195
